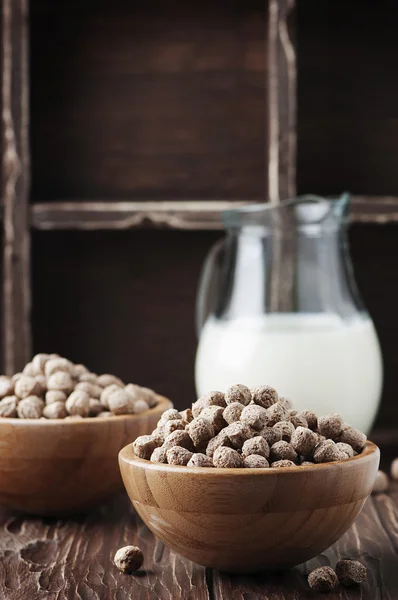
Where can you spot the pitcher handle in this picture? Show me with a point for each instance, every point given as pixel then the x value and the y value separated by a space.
pixel 209 285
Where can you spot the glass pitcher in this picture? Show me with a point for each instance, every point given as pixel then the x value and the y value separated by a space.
pixel 278 305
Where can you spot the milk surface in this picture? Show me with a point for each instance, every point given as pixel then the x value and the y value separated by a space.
pixel 320 361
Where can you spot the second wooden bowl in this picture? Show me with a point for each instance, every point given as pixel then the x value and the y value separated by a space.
pixel 243 520
pixel 57 467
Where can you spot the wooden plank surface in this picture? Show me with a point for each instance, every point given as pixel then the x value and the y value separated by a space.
pixel 72 559
pixel 15 185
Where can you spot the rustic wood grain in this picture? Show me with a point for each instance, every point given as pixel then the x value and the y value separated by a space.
pixel 72 560
pixel 142 102
pixel 15 185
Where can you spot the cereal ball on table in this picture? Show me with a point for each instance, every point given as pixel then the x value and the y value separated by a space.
pixel 8 407
pixel 238 393
pixel 256 445
pixel 323 579
pixel 381 483
pixel 255 461
pixel 227 458
pixel 55 410
pixel 264 396
pixel 178 456
pixel 26 386
pixel 30 408
pixel 78 403
pixel 129 559
pixel 350 572
pixel 60 380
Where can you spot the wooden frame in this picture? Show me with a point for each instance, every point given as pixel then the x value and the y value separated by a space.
pixel 18 216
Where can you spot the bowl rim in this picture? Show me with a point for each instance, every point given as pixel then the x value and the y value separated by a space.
pixel 127 455
pixel 162 405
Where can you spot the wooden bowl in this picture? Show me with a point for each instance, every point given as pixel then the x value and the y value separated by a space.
pixel 243 520
pixel 56 466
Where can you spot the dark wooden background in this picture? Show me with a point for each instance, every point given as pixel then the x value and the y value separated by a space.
pixel 159 101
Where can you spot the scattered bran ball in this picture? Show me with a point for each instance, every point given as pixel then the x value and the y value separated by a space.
pixel 129 559
pixel 201 432
pixel 178 456
pixel 271 435
pixel 143 446
pixel 394 468
pixel 214 415
pixel 237 434
pixel 381 483
pixel 286 429
pixel 323 579
pixel 283 451
pixel 256 445
pixel 350 572
pixel 330 426
pixel 311 418
pixel 280 464
pixel 355 438
pixel 30 408
pixel 254 416
pixel 327 452
pixel 178 438
pixel 60 380
pixel 200 460
pixel 264 396
pixel 8 407
pixel 304 441
pixel 55 410
pixel 345 449
pixel 218 441
pixel 238 393
pixel 233 412
pixel 159 455
pixel 255 461
pixel 275 414
pixel 227 458
pixel 78 403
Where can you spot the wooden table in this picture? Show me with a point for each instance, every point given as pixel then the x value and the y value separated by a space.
pixel 45 559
